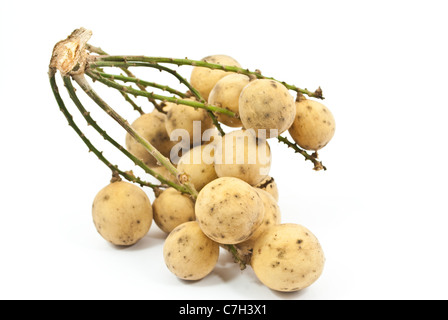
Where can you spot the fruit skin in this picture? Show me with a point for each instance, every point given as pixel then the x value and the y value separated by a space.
pixel 150 126
pixel 204 79
pixel 198 164
pixel 226 94
pixel 188 253
pixel 229 210
pixel 241 155
pixel 272 217
pixel 180 116
pixel 122 213
pixel 314 125
pixel 287 257
pixel 269 185
pixel 172 208
pixel 266 104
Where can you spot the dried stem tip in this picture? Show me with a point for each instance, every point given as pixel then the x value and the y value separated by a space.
pixel 69 55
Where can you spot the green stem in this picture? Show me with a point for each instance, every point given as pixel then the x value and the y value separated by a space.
pixel 142 83
pixel 163 87
pixel 186 83
pixel 82 82
pixel 132 103
pixel 216 123
pixel 128 73
pixel 195 104
pixel 317 164
pixel 128 176
pixel 72 92
pixel 112 64
pixel 198 63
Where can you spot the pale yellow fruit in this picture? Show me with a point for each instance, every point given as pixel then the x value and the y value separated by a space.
pixel 198 164
pixel 269 185
pixel 241 155
pixel 267 107
pixel 229 210
pixel 189 253
pixel 150 126
pixel 204 79
pixel 183 117
pixel 226 94
pixel 314 125
pixel 171 209
pixel 122 213
pixel 287 257
pixel 272 217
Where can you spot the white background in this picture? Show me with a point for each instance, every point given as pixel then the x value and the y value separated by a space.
pixel 379 211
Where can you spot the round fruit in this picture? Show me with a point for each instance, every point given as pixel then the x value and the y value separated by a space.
pixel 204 79
pixel 267 107
pixel 192 121
pixel 229 210
pixel 226 94
pixel 314 125
pixel 122 213
pixel 241 155
pixel 171 209
pixel 150 126
pixel 287 257
pixel 188 253
pixel 199 166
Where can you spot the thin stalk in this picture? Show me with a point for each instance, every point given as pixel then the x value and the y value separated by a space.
pixel 127 175
pixel 114 64
pixel 132 103
pixel 162 87
pixel 317 164
pixel 96 50
pixel 82 82
pixel 142 83
pixel 72 92
pixel 173 72
pixel 198 63
pixel 128 73
pixel 216 123
pixel 195 104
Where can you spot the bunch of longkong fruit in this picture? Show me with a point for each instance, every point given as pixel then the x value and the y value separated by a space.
pixel 236 210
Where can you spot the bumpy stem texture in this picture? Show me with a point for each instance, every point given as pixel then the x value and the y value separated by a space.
pixel 142 83
pixel 126 174
pixel 72 92
pixel 317 164
pixel 195 104
pixel 124 90
pixel 82 82
pixel 198 63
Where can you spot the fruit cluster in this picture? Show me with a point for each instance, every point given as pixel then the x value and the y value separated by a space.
pixel 237 204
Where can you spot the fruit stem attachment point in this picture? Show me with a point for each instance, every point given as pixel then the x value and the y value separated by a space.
pixel 115 177
pixel 69 55
pixel 242 260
